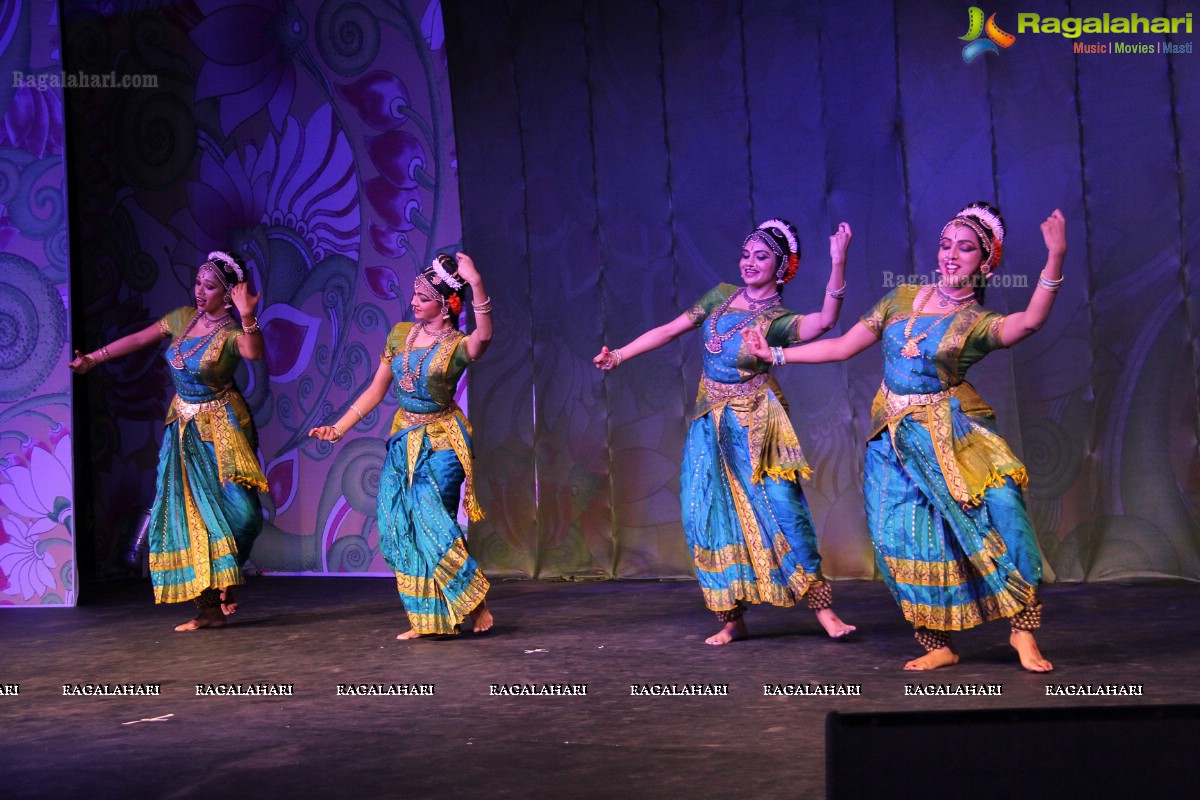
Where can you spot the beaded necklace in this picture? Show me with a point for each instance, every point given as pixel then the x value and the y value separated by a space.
pixel 945 298
pixel 714 340
pixel 408 378
pixel 910 349
pixel 178 359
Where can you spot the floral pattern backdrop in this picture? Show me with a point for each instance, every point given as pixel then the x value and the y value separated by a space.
pixel 37 514
pixel 315 139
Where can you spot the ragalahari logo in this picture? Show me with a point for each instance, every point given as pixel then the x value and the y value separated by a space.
pixel 995 37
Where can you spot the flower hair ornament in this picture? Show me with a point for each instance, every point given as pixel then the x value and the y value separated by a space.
pixel 779 236
pixel 441 280
pixel 223 265
pixel 988 225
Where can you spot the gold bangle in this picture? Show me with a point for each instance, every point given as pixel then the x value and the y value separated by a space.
pixel 251 328
pixel 338 431
pixel 354 408
pixel 104 352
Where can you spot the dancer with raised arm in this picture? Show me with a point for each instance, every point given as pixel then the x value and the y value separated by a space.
pixel 206 513
pixel 943 491
pixel 428 457
pixel 744 512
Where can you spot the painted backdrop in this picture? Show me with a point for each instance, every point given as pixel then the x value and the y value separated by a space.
pixel 37 511
pixel 315 140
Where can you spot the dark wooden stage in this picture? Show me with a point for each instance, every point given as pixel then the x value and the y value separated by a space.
pixel 461 741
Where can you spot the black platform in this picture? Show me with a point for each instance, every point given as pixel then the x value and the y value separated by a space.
pixel 461 741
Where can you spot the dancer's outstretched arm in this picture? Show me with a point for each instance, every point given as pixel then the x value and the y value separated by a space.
pixel 363 405
pixel 650 340
pixel 849 344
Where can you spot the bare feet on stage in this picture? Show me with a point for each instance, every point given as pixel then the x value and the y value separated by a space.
pixel 942 657
pixel 228 601
pixel 731 632
pixel 1026 647
pixel 483 622
pixel 833 625
pixel 207 618
pixel 483 617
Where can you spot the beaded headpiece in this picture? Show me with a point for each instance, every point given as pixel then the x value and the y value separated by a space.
pixel 779 236
pixel 987 224
pixel 223 265
pixel 441 280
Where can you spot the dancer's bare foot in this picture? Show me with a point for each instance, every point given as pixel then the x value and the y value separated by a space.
pixel 228 601
pixel 942 657
pixel 833 625
pixel 409 634
pixel 1026 647
pixel 483 617
pixel 207 618
pixel 731 632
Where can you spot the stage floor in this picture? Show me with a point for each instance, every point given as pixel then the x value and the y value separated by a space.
pixel 461 740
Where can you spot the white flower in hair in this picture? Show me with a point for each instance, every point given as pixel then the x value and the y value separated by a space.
pixel 451 281
pixel 222 257
pixel 985 215
pixel 782 228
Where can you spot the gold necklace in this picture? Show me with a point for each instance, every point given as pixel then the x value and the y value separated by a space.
pixel 408 377
pixel 945 298
pixel 910 349
pixel 714 340
pixel 177 360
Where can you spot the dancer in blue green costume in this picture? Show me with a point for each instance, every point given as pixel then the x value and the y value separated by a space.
pixel 744 513
pixel 943 491
pixel 206 513
pixel 429 452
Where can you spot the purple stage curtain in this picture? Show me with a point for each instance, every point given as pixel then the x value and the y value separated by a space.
pixel 614 153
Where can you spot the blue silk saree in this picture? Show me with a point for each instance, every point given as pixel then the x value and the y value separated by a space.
pixel 744 513
pixel 428 462
pixel 944 493
pixel 206 511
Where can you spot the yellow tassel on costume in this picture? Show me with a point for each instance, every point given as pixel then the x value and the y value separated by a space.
pixel 782 474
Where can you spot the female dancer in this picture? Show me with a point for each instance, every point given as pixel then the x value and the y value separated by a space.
pixel 744 513
pixel 429 451
pixel 943 490
pixel 206 512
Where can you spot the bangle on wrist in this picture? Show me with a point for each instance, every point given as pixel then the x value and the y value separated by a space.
pixel 778 357
pixel 338 431
pixel 1049 284
pixel 354 408
pixel 617 357
pixel 836 294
